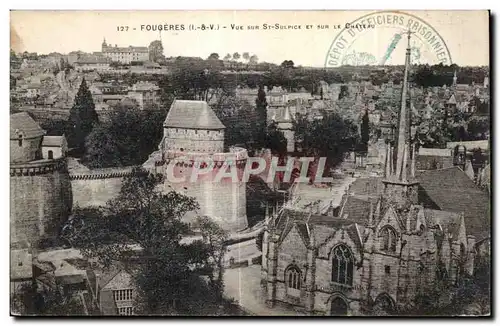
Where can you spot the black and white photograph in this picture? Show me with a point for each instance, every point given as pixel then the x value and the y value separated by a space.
pixel 244 163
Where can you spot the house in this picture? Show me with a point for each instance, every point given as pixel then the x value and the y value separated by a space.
pixel 54 147
pixel 116 291
pixel 146 94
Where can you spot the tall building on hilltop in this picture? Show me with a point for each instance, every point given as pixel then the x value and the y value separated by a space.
pixel 193 136
pixel 388 242
pixel 125 55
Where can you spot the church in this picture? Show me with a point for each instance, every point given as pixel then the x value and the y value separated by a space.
pixel 389 241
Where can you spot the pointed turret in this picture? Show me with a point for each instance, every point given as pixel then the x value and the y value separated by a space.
pixel 403 134
pixel 400 184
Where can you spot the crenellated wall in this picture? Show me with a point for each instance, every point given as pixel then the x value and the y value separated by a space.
pixel 96 187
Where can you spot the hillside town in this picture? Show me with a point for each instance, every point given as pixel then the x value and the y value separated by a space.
pixel 372 195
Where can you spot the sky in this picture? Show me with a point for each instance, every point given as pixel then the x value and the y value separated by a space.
pixel 465 33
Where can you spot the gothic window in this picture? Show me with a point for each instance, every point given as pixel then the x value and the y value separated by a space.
pixel 342 265
pixel 389 239
pixel 20 141
pixel 293 279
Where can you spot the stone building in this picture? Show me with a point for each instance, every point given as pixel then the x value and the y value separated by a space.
pixel 40 190
pixel 146 94
pixel 116 291
pixel 193 137
pixel 380 249
pixel 125 55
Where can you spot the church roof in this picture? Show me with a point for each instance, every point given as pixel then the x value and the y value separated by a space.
pixel 22 122
pixel 192 115
pixel 453 191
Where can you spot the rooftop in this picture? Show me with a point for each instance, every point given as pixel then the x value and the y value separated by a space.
pixel 192 115
pixel 23 123
pixel 53 141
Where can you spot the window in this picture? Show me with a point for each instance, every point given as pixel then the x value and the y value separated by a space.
pixel 123 295
pixel 125 311
pixel 20 141
pixel 389 239
pixel 51 155
pixel 387 270
pixel 342 265
pixel 293 278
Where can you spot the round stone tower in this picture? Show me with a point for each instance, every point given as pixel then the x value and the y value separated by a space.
pixel 40 189
pixel 193 140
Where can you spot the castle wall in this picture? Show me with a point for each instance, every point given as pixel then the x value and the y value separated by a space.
pixel 224 199
pixel 193 140
pixel 29 151
pixel 40 200
pixel 96 187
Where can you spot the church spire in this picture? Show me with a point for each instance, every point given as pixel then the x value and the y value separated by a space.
pixel 403 135
pixel 401 187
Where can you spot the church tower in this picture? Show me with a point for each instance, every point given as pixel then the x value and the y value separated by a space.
pixel 104 45
pixel 400 184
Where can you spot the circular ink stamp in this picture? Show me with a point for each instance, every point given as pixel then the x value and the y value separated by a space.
pixel 378 39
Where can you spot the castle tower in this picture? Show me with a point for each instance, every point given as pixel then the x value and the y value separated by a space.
pixel 400 185
pixel 40 189
pixel 195 163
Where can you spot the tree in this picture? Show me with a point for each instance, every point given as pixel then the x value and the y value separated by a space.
pixel 331 137
pixel 236 56
pixel 144 216
pixel 261 108
pixel 156 51
pixel 213 56
pixel 240 119
pixel 196 79
pixel 126 138
pixel 215 238
pixel 27 300
pixel 287 64
pixel 82 118
pixel 365 133
pixel 227 57
pixel 246 56
pixel 254 59
pixel 275 140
